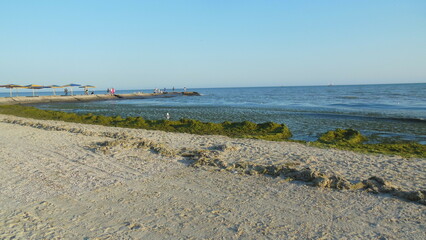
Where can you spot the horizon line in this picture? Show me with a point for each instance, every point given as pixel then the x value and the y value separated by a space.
pixel 277 86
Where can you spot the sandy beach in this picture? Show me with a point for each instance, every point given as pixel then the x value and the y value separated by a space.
pixel 74 181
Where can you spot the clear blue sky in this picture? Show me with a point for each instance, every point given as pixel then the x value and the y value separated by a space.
pixel 217 43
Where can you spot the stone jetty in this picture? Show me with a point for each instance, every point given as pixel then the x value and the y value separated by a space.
pixel 87 98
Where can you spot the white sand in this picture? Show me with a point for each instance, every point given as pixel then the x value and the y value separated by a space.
pixel 57 184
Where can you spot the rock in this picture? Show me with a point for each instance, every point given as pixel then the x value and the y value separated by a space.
pixel 191 94
pixel 342 136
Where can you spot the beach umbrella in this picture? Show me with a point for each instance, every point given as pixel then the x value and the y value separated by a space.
pixel 53 87
pixel 6 86
pixel 33 87
pixel 71 85
pixel 87 86
pixel 12 86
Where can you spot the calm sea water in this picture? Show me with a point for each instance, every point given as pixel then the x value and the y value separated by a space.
pixel 396 111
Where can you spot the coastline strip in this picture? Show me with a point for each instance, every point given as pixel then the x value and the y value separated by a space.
pixel 87 98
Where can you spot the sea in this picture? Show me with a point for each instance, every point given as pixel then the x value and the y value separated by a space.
pixel 385 112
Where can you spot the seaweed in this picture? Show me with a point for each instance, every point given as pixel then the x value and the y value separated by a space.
pixel 245 129
pixel 342 136
pixel 349 139
pixel 345 139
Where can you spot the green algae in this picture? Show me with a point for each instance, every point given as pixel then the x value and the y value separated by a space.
pixel 245 129
pixel 348 139
pixel 353 140
pixel 342 136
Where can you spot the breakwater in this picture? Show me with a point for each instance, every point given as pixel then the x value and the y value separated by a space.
pixel 87 98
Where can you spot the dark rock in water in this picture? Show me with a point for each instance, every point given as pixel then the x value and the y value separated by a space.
pixel 191 94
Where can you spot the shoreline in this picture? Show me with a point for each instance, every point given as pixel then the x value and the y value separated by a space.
pixel 344 139
pixel 71 180
pixel 87 98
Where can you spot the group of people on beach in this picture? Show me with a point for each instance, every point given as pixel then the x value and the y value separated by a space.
pixel 157 90
pixel 86 92
pixel 111 91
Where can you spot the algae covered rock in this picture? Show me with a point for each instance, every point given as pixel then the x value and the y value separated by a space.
pixel 342 136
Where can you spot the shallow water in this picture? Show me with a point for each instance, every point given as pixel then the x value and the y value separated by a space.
pixel 379 111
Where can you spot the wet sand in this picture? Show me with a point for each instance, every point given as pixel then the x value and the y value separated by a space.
pixel 74 181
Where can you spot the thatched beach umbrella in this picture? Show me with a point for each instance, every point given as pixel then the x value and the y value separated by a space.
pixel 71 85
pixel 86 87
pixel 12 86
pixel 53 87
pixel 34 86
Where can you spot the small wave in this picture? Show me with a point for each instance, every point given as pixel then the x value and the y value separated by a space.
pixel 416 120
pixel 361 116
pixel 349 97
pixel 364 105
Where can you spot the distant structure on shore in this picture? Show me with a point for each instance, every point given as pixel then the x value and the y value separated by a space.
pixel 53 87
pixel 91 97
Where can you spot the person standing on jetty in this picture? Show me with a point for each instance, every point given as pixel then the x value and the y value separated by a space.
pixel 108 91
pixel 66 91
